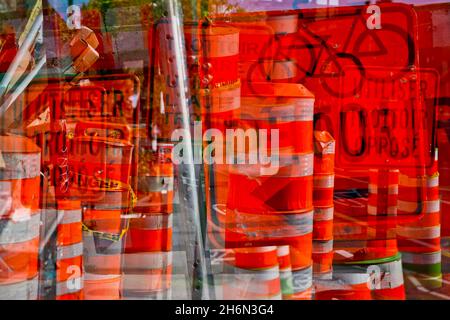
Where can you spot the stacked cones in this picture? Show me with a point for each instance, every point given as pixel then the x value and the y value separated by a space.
pixel 324 146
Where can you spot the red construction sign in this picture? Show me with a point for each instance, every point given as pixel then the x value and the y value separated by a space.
pixel 389 122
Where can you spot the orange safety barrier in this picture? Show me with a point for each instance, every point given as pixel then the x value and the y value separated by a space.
pixel 324 152
pixel 256 275
pixel 69 253
pixel 146 273
pixel 366 280
pixel 149 233
pixel 323 223
pixel 102 287
pixel 383 192
pixel 346 251
pixel 291 117
pixel 102 266
pixel 155 180
pixel 323 190
pixel 285 269
pixel 322 255
pixel 295 230
pixel 289 190
pixel 19 217
pixel 419 239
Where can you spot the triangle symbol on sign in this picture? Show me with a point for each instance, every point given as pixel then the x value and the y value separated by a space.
pixel 370 46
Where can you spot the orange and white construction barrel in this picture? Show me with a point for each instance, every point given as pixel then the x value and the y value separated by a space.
pixel 19 217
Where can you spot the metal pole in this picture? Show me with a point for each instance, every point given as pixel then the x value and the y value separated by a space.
pixel 187 182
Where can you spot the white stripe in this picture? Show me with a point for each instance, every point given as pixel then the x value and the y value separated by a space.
pixel 302 279
pixel 281 226
pixel 373 211
pixel 301 165
pixel 284 69
pixel 6 204
pixel 421 258
pixel 257 274
pixel 70 251
pixel 69 216
pixel 101 277
pixel 428 181
pixel 392 189
pixel 155 222
pixel 25 290
pixel 323 214
pixel 322 246
pixel 419 232
pixel 143 261
pixel 20 166
pixel 5 188
pixel 282 251
pixel 21 231
pixel 412 206
pixel 324 181
pixel 145 282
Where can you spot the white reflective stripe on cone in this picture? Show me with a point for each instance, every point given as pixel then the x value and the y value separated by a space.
pixel 428 182
pixel 256 275
pixel 156 222
pixel 100 277
pixel 165 294
pixel 20 166
pixel 302 279
pixel 284 69
pixel 6 202
pixel 5 188
pixel 419 232
pixel 283 24
pixel 286 274
pixel 155 183
pixel 425 206
pixel 323 214
pixel 5 197
pixel 323 275
pixel 69 251
pixel 392 189
pixel 350 275
pixel 288 166
pixel 21 231
pixel 255 283
pixel 421 258
pixel 224 42
pixel 295 111
pixel 282 251
pixel 69 216
pixel 145 282
pixel 24 290
pixel 324 181
pixel 143 261
pixel 283 226
pixel 69 286
pixel 391 274
pixel 376 276
pixel 223 100
pixel 373 210
pixel 322 246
